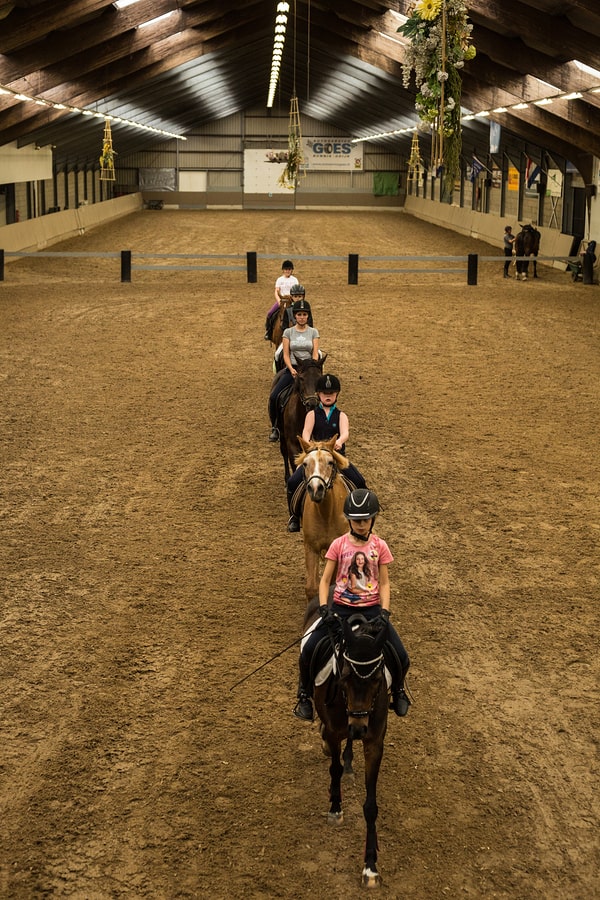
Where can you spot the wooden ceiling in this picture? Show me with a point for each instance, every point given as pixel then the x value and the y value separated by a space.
pixel 212 58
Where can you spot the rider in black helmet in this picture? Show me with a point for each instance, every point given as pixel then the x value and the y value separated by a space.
pixel 321 424
pixel 359 561
pixel 283 287
pixel 300 342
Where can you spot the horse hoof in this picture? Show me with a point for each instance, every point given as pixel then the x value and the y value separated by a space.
pixel 370 878
pixel 336 818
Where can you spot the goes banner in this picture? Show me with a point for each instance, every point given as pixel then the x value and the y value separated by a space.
pixel 335 154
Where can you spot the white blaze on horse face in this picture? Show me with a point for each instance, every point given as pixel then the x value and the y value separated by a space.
pixel 319 469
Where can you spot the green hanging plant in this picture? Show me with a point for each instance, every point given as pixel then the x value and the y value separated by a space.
pixel 295 159
pixel 436 56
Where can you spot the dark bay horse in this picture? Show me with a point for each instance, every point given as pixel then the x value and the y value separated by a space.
pixel 527 243
pixel 290 420
pixel 352 705
pixel 323 514
pixel 281 322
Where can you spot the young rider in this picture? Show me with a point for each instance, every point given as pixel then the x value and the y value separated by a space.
pixel 321 424
pixel 299 342
pixel 372 600
pixel 283 286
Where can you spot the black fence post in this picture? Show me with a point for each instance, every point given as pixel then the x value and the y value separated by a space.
pixel 125 265
pixel 472 261
pixel 251 267
pixel 1 265
pixel 353 268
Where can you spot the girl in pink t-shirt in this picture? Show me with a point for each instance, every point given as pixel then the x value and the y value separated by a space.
pixel 359 562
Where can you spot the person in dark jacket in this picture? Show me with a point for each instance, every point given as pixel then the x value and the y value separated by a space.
pixel 321 424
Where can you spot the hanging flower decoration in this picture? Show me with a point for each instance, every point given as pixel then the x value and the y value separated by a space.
pixel 295 159
pixel 436 54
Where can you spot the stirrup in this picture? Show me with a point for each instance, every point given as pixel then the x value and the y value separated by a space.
pixel 304 708
pixel 400 702
pixel 274 436
pixel 293 523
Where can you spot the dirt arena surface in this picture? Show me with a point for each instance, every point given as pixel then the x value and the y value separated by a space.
pixel 147 567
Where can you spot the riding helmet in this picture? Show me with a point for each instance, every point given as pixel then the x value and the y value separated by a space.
pixel 300 306
pixel 328 384
pixel 287 264
pixel 297 290
pixel 361 504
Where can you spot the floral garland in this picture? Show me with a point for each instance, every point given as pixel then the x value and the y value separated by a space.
pixel 436 55
pixel 295 159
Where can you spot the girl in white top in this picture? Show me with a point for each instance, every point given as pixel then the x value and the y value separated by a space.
pixel 283 285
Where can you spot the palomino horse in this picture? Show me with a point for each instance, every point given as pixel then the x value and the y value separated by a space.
pixel 323 516
pixel 352 705
pixel 303 397
pixel 527 243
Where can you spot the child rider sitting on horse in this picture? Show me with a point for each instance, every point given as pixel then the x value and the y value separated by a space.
pixel 321 424
pixel 369 595
pixel 283 287
pixel 300 342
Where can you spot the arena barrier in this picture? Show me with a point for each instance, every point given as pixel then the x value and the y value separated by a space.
pixel 467 266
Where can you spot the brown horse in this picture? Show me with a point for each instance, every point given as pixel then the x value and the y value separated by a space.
pixel 323 516
pixel 527 243
pixel 280 322
pixel 352 705
pixel 303 397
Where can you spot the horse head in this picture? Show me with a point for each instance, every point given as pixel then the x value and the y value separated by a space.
pixel 309 371
pixel 362 672
pixel 321 462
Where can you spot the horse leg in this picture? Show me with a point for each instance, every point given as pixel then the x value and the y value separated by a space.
pixel 535 274
pixel 373 757
pixel 335 816
pixel 348 756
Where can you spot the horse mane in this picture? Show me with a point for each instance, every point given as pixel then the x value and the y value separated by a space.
pixel 340 460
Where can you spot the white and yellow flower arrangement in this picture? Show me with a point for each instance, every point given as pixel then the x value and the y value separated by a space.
pixel 440 42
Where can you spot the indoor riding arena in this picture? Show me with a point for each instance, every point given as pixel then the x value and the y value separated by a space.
pixel 148 569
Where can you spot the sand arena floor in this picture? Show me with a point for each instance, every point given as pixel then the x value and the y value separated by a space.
pixel 147 567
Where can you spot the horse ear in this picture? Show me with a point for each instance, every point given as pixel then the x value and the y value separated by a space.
pixel 322 358
pixel 331 443
pixel 304 444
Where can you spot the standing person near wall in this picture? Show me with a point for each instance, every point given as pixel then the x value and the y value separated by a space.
pixel 509 240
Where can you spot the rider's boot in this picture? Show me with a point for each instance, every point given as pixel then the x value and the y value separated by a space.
pixel 304 708
pixel 295 501
pixel 268 325
pixel 400 702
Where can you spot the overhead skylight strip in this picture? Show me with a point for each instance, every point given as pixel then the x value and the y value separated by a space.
pixel 281 19
pixel 40 101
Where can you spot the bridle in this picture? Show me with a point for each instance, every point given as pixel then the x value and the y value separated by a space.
pixel 354 664
pixel 307 399
pixel 327 483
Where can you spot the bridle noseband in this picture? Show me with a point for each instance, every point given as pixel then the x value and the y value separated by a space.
pixel 354 664
pixel 326 483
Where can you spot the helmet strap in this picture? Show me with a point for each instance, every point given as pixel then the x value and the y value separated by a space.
pixel 361 537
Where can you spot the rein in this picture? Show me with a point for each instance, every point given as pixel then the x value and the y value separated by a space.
pixel 326 484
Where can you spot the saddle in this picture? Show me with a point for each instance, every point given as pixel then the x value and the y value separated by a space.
pixel 322 663
pixel 283 397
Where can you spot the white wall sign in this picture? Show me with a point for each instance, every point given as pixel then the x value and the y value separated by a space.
pixel 335 154
pixel 262 168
